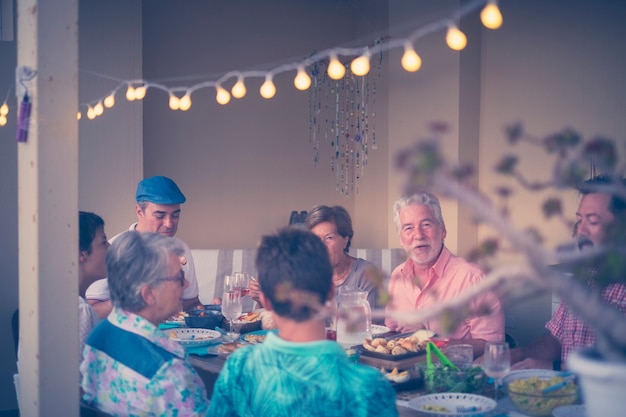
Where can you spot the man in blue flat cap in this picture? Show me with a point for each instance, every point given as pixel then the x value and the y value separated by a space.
pixel 158 210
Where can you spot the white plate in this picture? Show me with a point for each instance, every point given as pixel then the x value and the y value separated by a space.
pixel 378 330
pixel 574 410
pixel 193 336
pixel 474 404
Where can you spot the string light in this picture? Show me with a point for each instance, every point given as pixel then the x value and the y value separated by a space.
pixel 98 109
pixel 490 16
pixel 222 96
pixel 3 120
pixel 302 80
pixel 268 89
pixel 239 89
pixel 411 61
pixel 4 110
pixel 455 39
pixel 336 70
pixel 184 103
pixel 79 115
pixel 360 64
pixel 91 114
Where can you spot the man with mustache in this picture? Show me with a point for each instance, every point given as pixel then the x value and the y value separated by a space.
pixel 432 274
pixel 598 211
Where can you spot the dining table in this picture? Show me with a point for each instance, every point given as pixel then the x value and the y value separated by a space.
pixel 209 367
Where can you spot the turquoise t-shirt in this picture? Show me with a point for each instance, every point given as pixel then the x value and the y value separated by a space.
pixel 281 378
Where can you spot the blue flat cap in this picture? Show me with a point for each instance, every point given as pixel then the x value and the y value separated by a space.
pixel 159 190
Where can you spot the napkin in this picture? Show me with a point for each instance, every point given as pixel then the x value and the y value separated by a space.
pixel 199 350
pixel 172 325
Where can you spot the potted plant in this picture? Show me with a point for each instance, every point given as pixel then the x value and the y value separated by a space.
pixel 428 170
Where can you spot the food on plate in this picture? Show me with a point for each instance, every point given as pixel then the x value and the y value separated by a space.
pixel 470 380
pixel 267 320
pixel 229 347
pixel 399 346
pixel 172 335
pixel 254 338
pixel 435 408
pixel 250 317
pixel 178 317
pixel 396 376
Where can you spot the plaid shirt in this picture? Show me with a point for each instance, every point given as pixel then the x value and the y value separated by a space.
pixel 572 332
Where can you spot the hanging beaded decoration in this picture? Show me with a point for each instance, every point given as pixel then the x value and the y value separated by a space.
pixel 343 114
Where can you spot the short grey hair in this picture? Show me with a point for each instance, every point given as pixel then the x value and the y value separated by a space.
pixel 419 199
pixel 135 260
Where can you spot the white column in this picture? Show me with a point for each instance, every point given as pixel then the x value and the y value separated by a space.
pixel 47 210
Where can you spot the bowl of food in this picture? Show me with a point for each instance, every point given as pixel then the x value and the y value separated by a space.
pixel 469 379
pixel 248 322
pixel 536 392
pixel 204 318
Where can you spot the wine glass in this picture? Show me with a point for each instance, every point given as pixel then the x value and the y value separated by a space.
pixel 497 362
pixel 231 309
pixel 242 282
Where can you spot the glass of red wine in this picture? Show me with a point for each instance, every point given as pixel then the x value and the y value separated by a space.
pixel 242 283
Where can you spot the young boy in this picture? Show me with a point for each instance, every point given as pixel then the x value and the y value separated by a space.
pixel 298 372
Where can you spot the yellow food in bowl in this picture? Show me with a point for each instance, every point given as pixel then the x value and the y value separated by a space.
pixel 527 397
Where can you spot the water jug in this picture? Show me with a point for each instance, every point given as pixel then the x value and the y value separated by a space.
pixel 354 321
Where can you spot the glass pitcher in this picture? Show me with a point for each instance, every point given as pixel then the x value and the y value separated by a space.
pixel 354 321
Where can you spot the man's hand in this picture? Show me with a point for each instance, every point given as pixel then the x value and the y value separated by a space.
pixel 255 290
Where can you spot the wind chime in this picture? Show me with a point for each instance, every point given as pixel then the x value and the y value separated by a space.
pixel 342 113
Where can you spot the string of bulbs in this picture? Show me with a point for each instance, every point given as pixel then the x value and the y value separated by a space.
pixel 180 97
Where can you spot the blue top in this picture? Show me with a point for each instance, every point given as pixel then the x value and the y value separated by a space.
pixel 281 378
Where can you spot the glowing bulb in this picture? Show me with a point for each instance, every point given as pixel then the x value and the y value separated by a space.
pixel 140 92
pixel 130 93
pixel 91 114
pixel 185 102
pixel 174 102
pixel 4 109
pixel 455 39
pixel 3 120
pixel 268 89
pixel 109 101
pixel 222 96
pixel 411 61
pixel 491 16
pixel 79 115
pixel 98 109
pixel 361 66
pixel 239 89
pixel 302 80
pixel 336 70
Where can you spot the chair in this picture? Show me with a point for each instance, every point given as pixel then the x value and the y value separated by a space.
pixel 510 340
pixel 15 327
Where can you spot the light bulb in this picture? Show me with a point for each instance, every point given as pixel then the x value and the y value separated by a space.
pixel 361 66
pixel 91 114
pixel 268 89
pixel 109 101
pixel 455 39
pixel 4 109
pixel 174 102
pixel 411 61
pixel 3 120
pixel 79 115
pixel 491 16
pixel 222 96
pixel 185 102
pixel 302 80
pixel 336 70
pixel 140 92
pixel 98 109
pixel 239 89
pixel 130 93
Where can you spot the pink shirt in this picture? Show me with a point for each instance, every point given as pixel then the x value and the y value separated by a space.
pixel 447 278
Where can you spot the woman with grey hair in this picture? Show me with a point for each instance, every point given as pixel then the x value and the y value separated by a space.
pixel 130 367
pixel 334 227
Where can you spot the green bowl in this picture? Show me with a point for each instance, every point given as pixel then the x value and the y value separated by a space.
pixel 470 380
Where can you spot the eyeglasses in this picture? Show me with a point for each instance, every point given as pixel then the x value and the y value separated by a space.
pixel 180 277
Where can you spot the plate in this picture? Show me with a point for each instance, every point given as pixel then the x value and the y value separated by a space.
pixel 388 356
pixel 574 410
pixel 448 404
pixel 194 337
pixel 256 337
pixel 378 330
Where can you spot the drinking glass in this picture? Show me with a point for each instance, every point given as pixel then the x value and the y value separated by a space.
pixel 231 309
pixel 242 282
pixel 497 362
